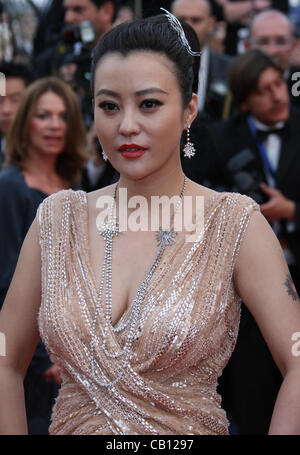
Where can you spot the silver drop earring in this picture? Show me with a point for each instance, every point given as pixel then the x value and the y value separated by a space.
pixel 189 149
pixel 100 149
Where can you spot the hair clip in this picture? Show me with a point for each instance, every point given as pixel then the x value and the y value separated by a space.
pixel 176 25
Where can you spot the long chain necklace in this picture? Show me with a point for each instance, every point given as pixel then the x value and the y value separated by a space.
pixel 109 230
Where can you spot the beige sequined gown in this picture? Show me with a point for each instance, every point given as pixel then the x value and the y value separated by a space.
pixel 187 326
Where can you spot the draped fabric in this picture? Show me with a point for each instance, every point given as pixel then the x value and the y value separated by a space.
pixel 186 332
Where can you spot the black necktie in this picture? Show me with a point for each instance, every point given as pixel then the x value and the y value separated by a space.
pixel 264 134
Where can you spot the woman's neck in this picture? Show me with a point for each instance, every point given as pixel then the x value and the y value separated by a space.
pixel 40 173
pixel 40 165
pixel 155 205
pixel 154 185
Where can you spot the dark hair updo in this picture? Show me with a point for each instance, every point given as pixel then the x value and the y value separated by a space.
pixel 157 35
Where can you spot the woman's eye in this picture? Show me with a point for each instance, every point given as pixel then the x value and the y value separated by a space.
pixel 108 107
pixel 41 116
pixel 151 104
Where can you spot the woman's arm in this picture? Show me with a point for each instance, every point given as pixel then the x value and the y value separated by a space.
pixel 263 282
pixel 19 329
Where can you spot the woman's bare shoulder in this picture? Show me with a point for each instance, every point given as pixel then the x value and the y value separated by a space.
pixel 105 191
pixel 195 189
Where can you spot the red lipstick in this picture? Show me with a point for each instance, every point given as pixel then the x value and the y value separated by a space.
pixel 131 150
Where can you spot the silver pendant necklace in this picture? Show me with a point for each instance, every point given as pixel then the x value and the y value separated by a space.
pixel 109 230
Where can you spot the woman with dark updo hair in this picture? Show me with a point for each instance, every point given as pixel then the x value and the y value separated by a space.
pixel 142 281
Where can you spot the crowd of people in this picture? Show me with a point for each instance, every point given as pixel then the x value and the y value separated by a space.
pixel 241 137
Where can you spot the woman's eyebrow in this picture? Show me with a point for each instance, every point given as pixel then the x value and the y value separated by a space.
pixel 148 91
pixel 145 91
pixel 105 91
pixel 48 110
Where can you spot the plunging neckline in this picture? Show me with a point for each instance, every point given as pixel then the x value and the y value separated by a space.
pixel 128 309
pixel 96 287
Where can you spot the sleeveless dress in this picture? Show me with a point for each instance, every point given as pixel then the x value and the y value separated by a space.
pixel 186 331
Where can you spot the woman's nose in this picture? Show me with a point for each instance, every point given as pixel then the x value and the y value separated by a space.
pixel 129 124
pixel 55 121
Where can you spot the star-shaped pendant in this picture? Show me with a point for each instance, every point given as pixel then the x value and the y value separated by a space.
pixel 165 238
pixel 109 229
pixel 189 150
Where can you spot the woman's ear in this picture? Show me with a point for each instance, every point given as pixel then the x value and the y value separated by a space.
pixel 191 111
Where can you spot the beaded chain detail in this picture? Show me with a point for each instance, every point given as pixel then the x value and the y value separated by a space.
pixel 109 230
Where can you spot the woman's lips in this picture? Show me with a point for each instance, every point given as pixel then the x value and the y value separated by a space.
pixel 6 124
pixel 53 140
pixel 131 150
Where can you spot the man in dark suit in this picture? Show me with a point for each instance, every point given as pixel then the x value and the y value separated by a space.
pixel 272 32
pixel 100 14
pixel 258 154
pixel 212 88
